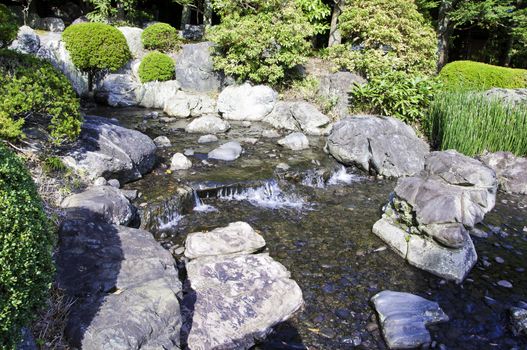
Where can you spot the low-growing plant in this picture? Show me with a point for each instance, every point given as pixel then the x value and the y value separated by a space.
pixel 473 123
pixel 26 242
pixel 32 91
pixel 53 164
pixel 395 94
pixel 162 37
pixel 156 66
pixel 96 47
pixel 8 26
pixel 477 76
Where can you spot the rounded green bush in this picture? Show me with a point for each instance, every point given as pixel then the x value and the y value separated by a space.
pixel 33 92
pixel 477 76
pixel 156 66
pixel 162 37
pixel 8 26
pixel 26 243
pixel 96 47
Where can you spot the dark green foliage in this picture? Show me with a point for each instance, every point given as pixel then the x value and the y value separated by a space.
pixel 156 66
pixel 162 37
pixel 53 164
pixel 260 40
pixel 96 47
pixel 8 26
pixel 476 76
pixel 395 94
pixel 472 123
pixel 26 243
pixel 32 91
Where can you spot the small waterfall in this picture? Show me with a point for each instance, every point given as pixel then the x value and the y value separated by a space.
pixel 314 178
pixel 269 195
pixel 341 176
pixel 200 206
pixel 169 221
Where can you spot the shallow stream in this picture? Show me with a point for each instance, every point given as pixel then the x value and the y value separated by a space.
pixel 316 218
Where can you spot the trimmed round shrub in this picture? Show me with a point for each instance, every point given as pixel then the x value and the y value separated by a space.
pixel 33 92
pixel 8 26
pixel 156 66
pixel 96 47
pixel 162 37
pixel 26 242
pixel 477 76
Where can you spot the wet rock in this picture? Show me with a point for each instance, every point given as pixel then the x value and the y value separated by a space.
pixel 384 145
pixel 299 116
pixel 403 318
pixel 111 151
pixel 512 96
pixel 208 124
pixel 235 239
pixel 246 102
pixel 511 170
pixel 103 203
pixel 51 24
pixel 185 104
pixel 125 285
pixel 235 301
pixel 504 284
pixel 228 151
pixel 156 94
pixel 518 320
pixel 428 218
pixel 336 87
pixel 208 139
pixel 27 41
pixel 162 141
pixel 180 162
pixel 195 70
pixel 119 90
pixel 133 38
pixel 295 141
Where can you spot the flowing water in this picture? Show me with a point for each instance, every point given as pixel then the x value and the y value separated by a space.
pixel 316 218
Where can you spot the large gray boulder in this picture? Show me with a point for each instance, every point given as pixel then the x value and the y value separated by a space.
pixel 106 149
pixel 208 124
pixel 100 203
pixel 119 90
pixel 299 116
pixel 194 68
pixel 382 145
pixel 185 105
pixel 247 102
pixel 511 171
pixel 236 300
pixel 336 87
pixel 133 38
pixel 403 318
pixel 430 216
pixel 125 286
pixel 235 239
pixel 27 41
pixel 512 96
pixel 156 94
pixel 227 152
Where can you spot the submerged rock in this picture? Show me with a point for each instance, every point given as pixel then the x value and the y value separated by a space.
pixel 228 151
pixel 111 151
pixel 246 102
pixel 383 145
pixel 295 141
pixel 429 217
pixel 100 203
pixel 403 318
pixel 208 124
pixel 511 171
pixel 125 285
pixel 237 238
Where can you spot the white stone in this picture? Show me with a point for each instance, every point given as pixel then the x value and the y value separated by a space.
pixel 228 151
pixel 295 141
pixel 246 102
pixel 180 162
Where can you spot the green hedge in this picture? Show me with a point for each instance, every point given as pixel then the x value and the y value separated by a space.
pixel 26 242
pixel 96 47
pixel 477 76
pixel 32 91
pixel 8 26
pixel 162 37
pixel 473 123
pixel 156 66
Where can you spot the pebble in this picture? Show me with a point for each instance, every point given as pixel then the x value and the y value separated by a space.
pixel 520 269
pixel 372 326
pixel 380 249
pixel 189 152
pixel 499 260
pixel 505 284
pixel 343 313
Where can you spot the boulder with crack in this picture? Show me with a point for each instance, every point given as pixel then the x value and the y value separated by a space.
pixel 429 217
pixel 233 299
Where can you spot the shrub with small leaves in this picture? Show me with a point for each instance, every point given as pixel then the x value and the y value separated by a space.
pixel 162 37
pixel 32 91
pixel 26 243
pixel 156 66
pixel 96 47
pixel 8 26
